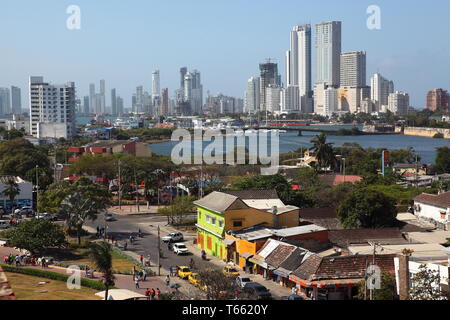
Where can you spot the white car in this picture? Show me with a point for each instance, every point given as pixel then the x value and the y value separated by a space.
pixel 180 248
pixel 174 237
pixel 242 281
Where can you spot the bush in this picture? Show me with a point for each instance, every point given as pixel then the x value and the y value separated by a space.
pixel 53 276
pixel 438 136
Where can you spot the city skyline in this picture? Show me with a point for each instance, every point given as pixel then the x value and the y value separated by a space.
pixel 396 60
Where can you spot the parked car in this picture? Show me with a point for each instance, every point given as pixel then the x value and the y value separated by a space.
pixel 46 216
pixel 230 271
pixel 109 217
pixel 242 281
pixel 27 211
pixel 257 291
pixel 174 237
pixel 292 297
pixel 184 272
pixel 180 248
pixel 4 224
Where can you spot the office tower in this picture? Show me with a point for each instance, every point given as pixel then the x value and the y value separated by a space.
pixel 273 101
pixel 164 102
pixel 252 96
pixel 98 99
pixel 16 100
pixel 268 75
pixel 119 104
pixel 92 99
pixel 197 92
pixel 113 102
pixel 353 69
pixel 102 108
pixel 438 100
pixel 156 98
pixel 328 53
pixel 52 109
pixel 133 102
pixel 187 87
pixel 86 109
pixel 298 66
pixel 5 101
pixel 380 90
pixel 290 100
pixel 183 72
pixel 139 107
pixel 398 103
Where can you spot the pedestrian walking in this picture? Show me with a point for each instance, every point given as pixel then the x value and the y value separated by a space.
pixel 152 293
pixel 142 259
pixel 136 282
pixel 147 293
pixel 144 275
pixel 236 294
pixel 125 246
pixel 141 275
pixel 171 271
pixel 167 281
pixel 158 293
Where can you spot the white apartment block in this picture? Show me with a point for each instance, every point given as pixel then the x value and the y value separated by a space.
pixel 353 69
pixel 398 102
pixel 290 100
pixel 52 105
pixel 380 90
pixel 273 98
pixel 252 96
pixel 328 53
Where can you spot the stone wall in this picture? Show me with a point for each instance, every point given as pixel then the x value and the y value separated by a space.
pixel 426 132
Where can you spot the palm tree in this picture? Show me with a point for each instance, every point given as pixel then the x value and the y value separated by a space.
pixel 324 151
pixel 11 191
pixel 101 255
pixel 77 209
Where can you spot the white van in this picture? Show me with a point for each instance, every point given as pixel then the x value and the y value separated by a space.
pixel 4 224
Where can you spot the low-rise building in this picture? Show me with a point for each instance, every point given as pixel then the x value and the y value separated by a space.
pixel 434 208
pixel 24 198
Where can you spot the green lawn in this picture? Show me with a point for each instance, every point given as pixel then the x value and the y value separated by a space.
pixel 26 287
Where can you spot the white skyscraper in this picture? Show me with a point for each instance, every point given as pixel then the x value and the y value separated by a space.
pixel 156 95
pixel 398 102
pixel 52 109
pixel 273 98
pixel 380 90
pixel 252 96
pixel 298 65
pixel 353 69
pixel 328 53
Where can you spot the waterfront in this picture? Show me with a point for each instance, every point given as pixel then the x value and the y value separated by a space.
pixel 290 141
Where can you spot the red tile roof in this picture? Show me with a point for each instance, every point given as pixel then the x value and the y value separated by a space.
pixel 442 200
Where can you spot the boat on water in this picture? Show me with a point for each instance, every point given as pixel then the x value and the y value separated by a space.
pixel 130 123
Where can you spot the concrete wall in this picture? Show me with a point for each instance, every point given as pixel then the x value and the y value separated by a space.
pixel 426 132
pixel 431 212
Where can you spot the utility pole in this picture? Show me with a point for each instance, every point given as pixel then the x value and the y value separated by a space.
pixel 137 194
pixel 159 253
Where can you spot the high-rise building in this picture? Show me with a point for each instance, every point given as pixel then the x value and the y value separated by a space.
pixel 92 99
pixel 164 102
pixel 252 96
pixel 273 98
pixel 290 100
pixel 187 88
pixel 16 100
pixel 113 102
pixel 269 75
pixel 398 102
pixel 119 104
pixel 183 72
pixel 328 53
pixel 5 101
pixel 353 69
pixel 438 100
pixel 380 90
pixel 298 66
pixel 326 101
pixel 156 98
pixel 102 108
pixel 197 92
pixel 52 109
pixel 139 106
pixel 86 109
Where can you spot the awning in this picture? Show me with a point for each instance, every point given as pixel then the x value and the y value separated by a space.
pixel 282 272
pixel 258 262
pixel 246 255
pixel 325 283
pixel 229 242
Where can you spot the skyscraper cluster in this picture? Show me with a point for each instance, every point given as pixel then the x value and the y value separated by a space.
pixel 10 101
pixel 340 79
pixel 96 102
pixel 189 97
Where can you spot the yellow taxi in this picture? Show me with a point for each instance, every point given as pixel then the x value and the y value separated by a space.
pixel 230 271
pixel 194 279
pixel 184 272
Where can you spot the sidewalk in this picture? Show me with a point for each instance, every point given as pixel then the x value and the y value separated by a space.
pixel 132 210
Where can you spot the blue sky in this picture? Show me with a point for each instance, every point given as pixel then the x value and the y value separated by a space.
pixel 124 41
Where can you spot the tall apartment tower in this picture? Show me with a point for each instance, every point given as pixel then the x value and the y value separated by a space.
pixel 183 72
pixel 92 99
pixel 113 102
pixel 268 75
pixel 252 96
pixel 102 108
pixel 164 102
pixel 197 92
pixel 86 105
pixel 438 100
pixel 398 102
pixel 353 69
pixel 52 109
pixel 298 66
pixel 119 103
pixel 16 100
pixel 156 98
pixel 328 53
pixel 380 90
pixel 5 101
